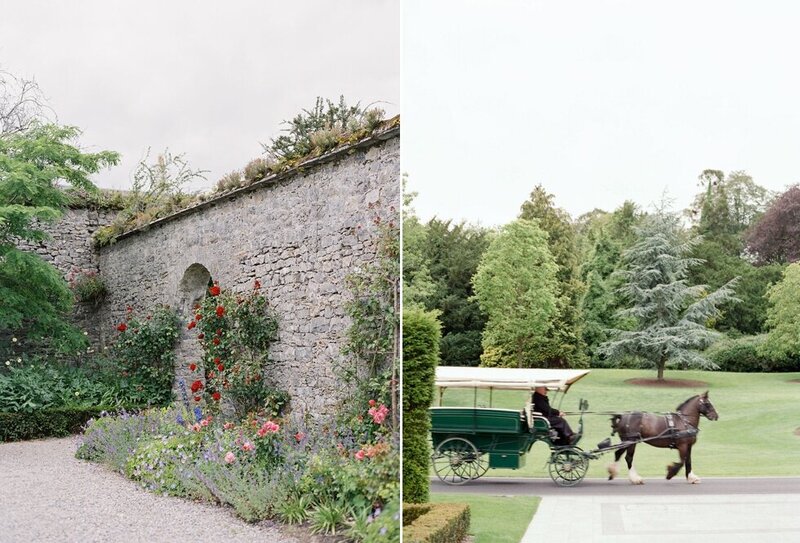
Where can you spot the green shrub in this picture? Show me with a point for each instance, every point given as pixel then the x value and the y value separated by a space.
pixel 747 354
pixel 45 386
pixel 156 462
pixel 145 353
pixel 435 523
pixel 88 287
pixel 421 337
pixel 57 422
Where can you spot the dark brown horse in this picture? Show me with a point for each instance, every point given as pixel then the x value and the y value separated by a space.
pixel 674 430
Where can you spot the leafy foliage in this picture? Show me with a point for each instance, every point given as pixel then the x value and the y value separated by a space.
pixel 562 343
pixel 317 130
pixel 421 334
pixel 747 354
pixel 776 236
pixel 145 353
pixel 36 299
pixel 516 286
pixel 783 317
pixel 671 317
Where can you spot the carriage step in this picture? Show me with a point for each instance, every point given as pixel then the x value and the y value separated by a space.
pixel 605 444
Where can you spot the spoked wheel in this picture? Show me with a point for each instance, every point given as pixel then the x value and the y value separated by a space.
pixel 457 461
pixel 568 467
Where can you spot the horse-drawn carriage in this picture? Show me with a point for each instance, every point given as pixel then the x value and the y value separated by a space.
pixel 467 441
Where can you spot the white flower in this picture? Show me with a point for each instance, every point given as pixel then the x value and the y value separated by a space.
pixel 8 362
pixel 85 333
pixel 19 360
pixel 13 340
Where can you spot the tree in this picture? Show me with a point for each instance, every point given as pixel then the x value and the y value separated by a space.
pixel 36 299
pixel 418 285
pixel 671 317
pixel 21 104
pixel 775 238
pixel 563 343
pixel 783 316
pixel 745 200
pixel 453 252
pixel 516 286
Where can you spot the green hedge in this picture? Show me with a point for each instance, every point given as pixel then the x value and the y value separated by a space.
pixel 435 522
pixel 421 336
pixel 747 354
pixel 56 422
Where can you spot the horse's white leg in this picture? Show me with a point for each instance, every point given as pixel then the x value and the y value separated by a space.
pixel 634 477
pixel 613 470
pixel 692 478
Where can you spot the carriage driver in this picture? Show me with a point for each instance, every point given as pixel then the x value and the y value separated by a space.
pixel 556 418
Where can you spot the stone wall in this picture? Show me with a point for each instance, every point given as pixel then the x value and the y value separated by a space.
pixel 70 249
pixel 299 233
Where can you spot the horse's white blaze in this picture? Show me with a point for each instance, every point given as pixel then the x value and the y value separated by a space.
pixel 613 470
pixel 635 477
pixel 693 479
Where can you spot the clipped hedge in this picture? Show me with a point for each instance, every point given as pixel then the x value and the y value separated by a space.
pixel 56 422
pixel 435 522
pixel 747 354
pixel 421 336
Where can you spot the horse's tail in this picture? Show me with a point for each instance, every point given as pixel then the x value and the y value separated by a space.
pixel 615 423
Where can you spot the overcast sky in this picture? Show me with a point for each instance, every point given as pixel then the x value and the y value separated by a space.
pixel 209 79
pixel 597 101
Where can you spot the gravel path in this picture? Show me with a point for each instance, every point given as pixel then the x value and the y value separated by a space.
pixel 46 494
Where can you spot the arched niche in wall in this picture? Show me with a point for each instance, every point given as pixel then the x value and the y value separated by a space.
pixel 192 288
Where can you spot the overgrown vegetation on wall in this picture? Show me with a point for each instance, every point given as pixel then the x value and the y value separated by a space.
pixel 158 188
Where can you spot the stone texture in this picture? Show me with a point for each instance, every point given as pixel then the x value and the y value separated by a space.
pixel 301 237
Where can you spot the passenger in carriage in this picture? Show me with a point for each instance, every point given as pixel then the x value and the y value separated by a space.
pixel 556 418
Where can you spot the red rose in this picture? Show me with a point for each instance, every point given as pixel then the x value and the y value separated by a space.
pixel 191 325
pixel 122 327
pixel 214 291
pixel 197 306
pixel 192 366
pixel 256 284
pixel 221 367
pixel 372 403
pixel 216 396
pixel 198 316
pixel 201 335
pixel 216 341
pixel 197 385
pixel 197 398
pixel 220 311
pixel 129 309
pixel 217 360
pixel 219 331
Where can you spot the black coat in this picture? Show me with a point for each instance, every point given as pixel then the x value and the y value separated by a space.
pixel 542 405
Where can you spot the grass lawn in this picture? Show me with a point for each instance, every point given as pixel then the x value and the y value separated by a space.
pixel 754 436
pixel 495 519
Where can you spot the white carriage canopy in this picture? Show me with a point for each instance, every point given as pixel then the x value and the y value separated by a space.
pixel 506 378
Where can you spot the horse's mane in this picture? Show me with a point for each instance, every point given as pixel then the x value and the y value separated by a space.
pixel 681 406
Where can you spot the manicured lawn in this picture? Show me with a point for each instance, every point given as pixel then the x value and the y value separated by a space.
pixel 495 519
pixel 754 436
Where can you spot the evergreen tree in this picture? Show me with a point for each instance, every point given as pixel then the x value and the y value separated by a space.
pixel 563 343
pixel 516 286
pixel 671 316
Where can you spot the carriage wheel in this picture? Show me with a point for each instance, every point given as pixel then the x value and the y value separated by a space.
pixel 456 461
pixel 568 467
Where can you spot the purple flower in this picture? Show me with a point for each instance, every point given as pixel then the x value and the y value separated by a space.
pixel 198 413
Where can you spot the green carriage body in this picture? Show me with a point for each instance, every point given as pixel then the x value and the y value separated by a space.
pixel 502 433
pixel 467 441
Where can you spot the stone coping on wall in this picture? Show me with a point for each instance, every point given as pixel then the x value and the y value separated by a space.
pixel 376 138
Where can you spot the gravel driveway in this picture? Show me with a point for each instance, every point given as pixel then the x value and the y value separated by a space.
pixel 46 494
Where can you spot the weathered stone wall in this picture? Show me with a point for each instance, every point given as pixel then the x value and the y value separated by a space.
pixel 70 249
pixel 300 234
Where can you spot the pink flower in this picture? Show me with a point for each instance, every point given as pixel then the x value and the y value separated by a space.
pixel 247 446
pixel 360 454
pixel 372 403
pixel 299 436
pixel 196 427
pixel 230 458
pixel 204 423
pixel 378 414
pixel 228 425
pixel 268 427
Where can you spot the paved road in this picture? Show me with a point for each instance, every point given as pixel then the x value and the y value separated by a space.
pixel 47 495
pixel 518 486
pixel 719 510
